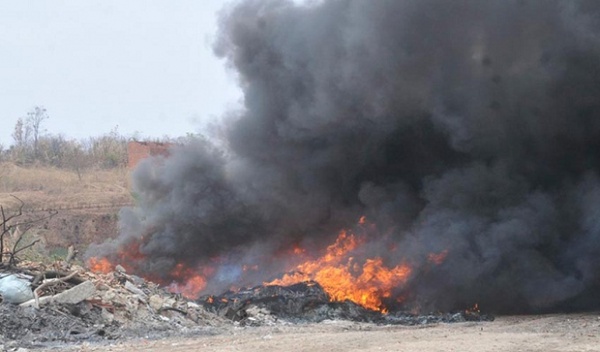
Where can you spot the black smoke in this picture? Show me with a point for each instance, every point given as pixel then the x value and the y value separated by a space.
pixel 467 126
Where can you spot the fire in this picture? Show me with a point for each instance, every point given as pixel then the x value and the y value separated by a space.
pixel 100 265
pixel 130 254
pixel 343 270
pixel 193 283
pixel 191 288
pixel 344 278
pixel 184 280
pixel 126 255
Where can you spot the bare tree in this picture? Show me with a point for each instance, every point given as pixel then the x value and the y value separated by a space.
pixel 8 226
pixel 19 132
pixel 21 135
pixel 34 120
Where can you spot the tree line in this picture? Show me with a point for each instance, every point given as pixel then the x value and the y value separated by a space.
pixel 32 145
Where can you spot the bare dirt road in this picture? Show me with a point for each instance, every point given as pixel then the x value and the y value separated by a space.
pixel 522 333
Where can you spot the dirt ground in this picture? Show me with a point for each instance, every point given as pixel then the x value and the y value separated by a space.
pixel 518 333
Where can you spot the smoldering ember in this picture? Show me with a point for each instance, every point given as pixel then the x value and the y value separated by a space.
pixel 392 159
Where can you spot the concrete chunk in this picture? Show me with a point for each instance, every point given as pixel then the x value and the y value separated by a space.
pixel 133 289
pixel 73 295
pixel 76 294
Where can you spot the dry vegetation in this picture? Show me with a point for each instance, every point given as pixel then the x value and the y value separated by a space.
pixel 44 187
pixel 63 207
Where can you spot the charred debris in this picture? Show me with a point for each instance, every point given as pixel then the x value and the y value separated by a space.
pixel 307 302
pixel 51 305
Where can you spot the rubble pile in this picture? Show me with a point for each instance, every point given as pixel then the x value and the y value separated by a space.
pixel 50 306
pixel 75 305
pixel 307 302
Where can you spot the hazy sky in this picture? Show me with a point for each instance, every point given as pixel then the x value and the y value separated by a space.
pixel 145 66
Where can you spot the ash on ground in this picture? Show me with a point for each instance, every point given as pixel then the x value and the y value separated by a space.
pixel 307 302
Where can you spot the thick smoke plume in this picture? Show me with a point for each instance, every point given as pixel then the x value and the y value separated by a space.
pixel 466 126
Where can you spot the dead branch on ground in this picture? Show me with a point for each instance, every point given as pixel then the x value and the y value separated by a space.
pixel 50 282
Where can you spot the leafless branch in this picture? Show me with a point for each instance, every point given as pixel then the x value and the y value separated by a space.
pixel 13 254
pixel 17 214
pixel 8 224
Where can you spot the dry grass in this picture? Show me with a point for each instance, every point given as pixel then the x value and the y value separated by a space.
pixel 51 188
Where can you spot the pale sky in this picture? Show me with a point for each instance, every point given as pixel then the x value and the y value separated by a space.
pixel 145 66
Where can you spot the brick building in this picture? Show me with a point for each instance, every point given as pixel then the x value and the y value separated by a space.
pixel 137 151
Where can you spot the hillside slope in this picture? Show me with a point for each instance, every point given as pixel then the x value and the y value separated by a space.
pixel 76 209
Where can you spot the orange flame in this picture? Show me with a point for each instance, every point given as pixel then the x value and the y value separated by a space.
pixel 187 281
pixel 193 284
pixel 342 271
pixel 100 265
pixel 344 279
pixel 126 255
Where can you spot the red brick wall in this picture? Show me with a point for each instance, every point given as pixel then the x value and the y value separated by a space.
pixel 137 151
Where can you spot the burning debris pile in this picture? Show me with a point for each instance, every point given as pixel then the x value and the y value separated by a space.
pixel 340 284
pixel 309 302
pixel 46 306
pixel 345 272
